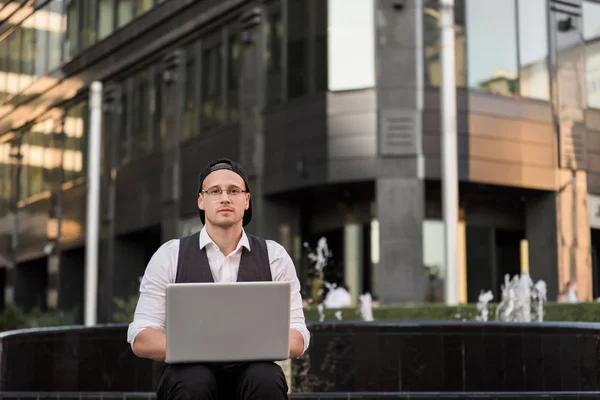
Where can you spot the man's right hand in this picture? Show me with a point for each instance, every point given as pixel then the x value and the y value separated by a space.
pixel 151 343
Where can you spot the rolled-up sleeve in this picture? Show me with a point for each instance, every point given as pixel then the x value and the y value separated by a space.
pixel 150 310
pixel 283 270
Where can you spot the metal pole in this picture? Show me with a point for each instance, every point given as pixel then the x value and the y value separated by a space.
pixel 93 204
pixel 574 244
pixel 449 150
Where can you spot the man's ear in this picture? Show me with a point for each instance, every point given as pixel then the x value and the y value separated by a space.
pixel 200 201
pixel 248 201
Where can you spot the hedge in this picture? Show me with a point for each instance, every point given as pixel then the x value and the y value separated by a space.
pixel 14 318
pixel 582 312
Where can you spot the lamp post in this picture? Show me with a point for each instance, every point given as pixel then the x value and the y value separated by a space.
pixel 449 150
pixel 93 205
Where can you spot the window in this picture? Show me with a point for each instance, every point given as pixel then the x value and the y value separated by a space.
pixel 88 31
pixel 297 59
pixel 124 151
pixel 273 54
pixel 5 178
pixel 212 87
pixel 157 109
pixel 106 18
pixel 25 171
pixel 140 135
pixel 320 38
pixel 73 28
pixel 591 37
pixel 56 24
pixel 27 57
pixel 74 156
pixel 434 259
pixel 492 46
pixel 534 81
pixel 14 51
pixel 44 153
pixel 431 38
pixel 4 69
pixel 190 106
pixel 41 39
pixel 125 12
pixel 83 142
pixel 143 5
pixel 93 20
pixel 233 77
pixel 298 48
pixel 33 164
pixel 351 43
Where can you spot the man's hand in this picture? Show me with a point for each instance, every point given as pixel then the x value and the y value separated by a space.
pixel 151 343
pixel 296 343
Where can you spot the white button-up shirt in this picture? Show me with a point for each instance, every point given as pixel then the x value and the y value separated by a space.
pixel 162 269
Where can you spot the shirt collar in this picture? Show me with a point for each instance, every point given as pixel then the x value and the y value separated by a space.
pixel 205 240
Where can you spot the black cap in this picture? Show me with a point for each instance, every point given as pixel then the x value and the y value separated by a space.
pixel 225 163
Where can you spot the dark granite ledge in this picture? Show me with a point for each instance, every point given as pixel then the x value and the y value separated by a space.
pixel 302 396
pixel 344 357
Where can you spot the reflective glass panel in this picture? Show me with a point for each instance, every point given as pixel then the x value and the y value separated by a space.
pixel 591 37
pixel 106 18
pixel 190 106
pixel 431 38
pixel 273 52
pixel 492 46
pixel 533 49
pixel 212 87
pixel 233 77
pixel 351 47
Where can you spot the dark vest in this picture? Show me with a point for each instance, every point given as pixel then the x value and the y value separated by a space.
pixel 193 266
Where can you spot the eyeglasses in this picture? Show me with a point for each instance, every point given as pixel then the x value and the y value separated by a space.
pixel 216 192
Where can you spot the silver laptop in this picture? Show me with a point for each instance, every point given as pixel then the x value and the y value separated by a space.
pixel 213 322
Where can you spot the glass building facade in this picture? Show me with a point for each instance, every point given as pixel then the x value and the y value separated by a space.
pixel 304 71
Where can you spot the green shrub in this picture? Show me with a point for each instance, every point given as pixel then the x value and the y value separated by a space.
pixel 399 313
pixel 125 309
pixel 582 312
pixel 13 317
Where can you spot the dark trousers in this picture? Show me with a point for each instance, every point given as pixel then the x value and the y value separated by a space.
pixel 262 380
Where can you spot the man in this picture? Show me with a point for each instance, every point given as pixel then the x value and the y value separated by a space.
pixel 221 252
pixel 569 294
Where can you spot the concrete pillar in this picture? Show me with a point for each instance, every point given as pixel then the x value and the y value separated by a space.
pixel 574 251
pixel 173 65
pixel 31 283
pixel 558 233
pixel 130 260
pixel 112 116
pixel 542 235
pixel 400 208
pixel 399 184
pixel 52 292
pixel 251 99
pixel 375 255
pixel 353 259
pixel 70 281
pixel 569 100
pixel 13 218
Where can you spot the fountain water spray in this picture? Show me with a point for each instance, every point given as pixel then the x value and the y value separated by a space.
pixel 518 294
pixel 320 258
pixel 366 307
pixel 482 305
